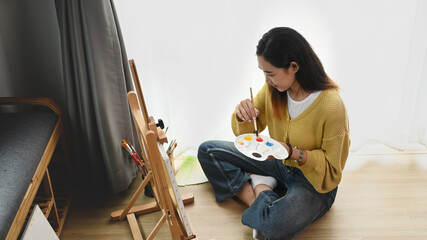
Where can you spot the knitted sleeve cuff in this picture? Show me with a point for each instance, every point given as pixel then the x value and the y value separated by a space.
pixel 314 157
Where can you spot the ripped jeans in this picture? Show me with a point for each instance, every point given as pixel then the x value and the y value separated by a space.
pixel 274 216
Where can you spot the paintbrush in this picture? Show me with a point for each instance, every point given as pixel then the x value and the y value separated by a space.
pixel 252 100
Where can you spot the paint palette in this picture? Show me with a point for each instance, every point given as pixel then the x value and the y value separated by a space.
pixel 259 148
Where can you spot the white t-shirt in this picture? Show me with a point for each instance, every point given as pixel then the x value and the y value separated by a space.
pixel 295 108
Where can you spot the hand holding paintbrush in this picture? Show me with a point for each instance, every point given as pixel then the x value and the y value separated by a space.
pixel 256 128
pixel 246 111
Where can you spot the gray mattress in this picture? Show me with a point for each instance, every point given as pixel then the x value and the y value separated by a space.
pixel 23 139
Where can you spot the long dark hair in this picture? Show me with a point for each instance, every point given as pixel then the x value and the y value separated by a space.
pixel 281 46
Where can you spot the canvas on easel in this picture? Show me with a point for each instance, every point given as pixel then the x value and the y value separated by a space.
pixel 160 174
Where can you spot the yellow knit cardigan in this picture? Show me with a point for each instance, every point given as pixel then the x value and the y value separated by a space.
pixel 322 130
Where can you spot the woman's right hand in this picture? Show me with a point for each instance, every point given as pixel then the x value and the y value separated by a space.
pixel 246 111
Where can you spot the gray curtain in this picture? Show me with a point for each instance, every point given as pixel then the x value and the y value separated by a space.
pixel 30 56
pixel 72 51
pixel 96 81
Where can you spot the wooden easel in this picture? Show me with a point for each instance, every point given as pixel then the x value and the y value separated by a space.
pixel 160 174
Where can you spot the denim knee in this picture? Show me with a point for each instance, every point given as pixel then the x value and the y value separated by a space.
pixel 261 215
pixel 202 152
pixel 203 146
pixel 216 159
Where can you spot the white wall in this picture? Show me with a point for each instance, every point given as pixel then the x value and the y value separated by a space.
pixel 196 59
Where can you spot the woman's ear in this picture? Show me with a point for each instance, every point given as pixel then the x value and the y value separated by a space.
pixel 294 67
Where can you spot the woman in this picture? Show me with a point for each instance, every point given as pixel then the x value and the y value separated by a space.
pixel 302 108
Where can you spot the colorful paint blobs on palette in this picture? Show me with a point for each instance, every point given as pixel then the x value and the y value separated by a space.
pixel 259 147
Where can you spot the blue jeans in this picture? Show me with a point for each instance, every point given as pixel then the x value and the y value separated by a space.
pixel 274 216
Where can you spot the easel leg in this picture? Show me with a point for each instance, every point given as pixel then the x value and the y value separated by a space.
pixel 147 208
pixel 136 233
pixel 135 196
pixel 157 227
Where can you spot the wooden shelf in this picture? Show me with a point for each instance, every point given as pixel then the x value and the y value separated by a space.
pixel 54 202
